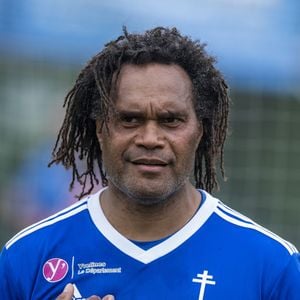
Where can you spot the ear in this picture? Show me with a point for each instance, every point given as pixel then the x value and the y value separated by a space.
pixel 99 130
pixel 200 132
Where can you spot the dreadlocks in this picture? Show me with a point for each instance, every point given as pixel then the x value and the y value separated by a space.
pixel 90 99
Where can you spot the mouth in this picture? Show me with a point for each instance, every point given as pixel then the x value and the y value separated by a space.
pixel 149 165
pixel 149 162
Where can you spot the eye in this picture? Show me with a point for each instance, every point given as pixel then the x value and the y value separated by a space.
pixel 171 121
pixel 130 121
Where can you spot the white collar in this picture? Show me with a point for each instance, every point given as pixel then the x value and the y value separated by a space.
pixel 159 250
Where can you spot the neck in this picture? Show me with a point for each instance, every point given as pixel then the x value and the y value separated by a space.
pixel 149 222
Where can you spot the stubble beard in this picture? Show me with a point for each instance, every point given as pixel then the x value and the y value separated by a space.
pixel 147 193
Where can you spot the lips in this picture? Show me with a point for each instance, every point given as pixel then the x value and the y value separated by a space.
pixel 149 161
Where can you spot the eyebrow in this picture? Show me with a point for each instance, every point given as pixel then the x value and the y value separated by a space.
pixel 140 114
pixel 129 113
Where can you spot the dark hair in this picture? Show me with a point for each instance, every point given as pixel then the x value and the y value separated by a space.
pixel 90 99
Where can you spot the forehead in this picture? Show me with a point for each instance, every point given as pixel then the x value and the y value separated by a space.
pixel 164 85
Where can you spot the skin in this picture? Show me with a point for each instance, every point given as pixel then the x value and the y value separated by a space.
pixel 69 290
pixel 148 149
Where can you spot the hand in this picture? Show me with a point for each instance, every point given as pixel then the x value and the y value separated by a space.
pixel 69 290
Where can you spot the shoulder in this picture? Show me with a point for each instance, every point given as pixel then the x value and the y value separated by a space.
pixel 249 232
pixel 28 249
pixel 49 240
pixel 256 249
pixel 39 231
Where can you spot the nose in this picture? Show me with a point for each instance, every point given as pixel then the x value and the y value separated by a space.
pixel 150 136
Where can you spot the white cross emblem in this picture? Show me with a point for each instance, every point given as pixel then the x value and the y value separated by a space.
pixel 203 279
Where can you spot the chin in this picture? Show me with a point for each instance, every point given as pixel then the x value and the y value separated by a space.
pixel 148 193
pixel 149 198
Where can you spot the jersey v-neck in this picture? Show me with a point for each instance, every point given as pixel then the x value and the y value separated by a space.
pixel 162 248
pixel 149 244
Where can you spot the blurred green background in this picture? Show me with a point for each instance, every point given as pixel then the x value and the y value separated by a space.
pixel 44 44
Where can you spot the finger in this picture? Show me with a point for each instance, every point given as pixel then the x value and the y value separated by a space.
pixel 67 293
pixel 108 297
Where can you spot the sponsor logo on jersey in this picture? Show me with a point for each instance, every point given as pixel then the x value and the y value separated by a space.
pixel 55 269
pixel 97 268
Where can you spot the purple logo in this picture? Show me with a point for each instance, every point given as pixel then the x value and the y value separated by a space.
pixel 55 269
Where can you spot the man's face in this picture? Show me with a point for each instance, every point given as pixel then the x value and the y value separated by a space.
pixel 149 145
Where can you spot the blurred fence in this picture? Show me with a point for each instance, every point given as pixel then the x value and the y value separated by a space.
pixel 263 160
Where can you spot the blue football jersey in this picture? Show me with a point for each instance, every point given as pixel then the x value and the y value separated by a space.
pixel 218 254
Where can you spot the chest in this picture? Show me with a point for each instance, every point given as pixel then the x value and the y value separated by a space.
pixel 189 272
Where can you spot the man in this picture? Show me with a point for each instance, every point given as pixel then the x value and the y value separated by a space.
pixel 150 110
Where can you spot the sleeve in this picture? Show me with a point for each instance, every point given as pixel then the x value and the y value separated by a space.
pixel 288 284
pixel 8 289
